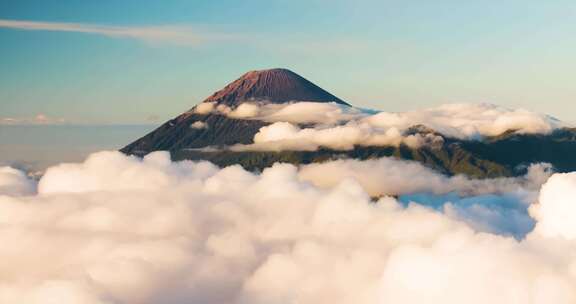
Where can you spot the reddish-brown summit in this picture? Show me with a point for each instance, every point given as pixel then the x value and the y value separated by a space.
pixel 275 86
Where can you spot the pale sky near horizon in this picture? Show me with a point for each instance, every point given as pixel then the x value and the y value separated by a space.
pixel 135 62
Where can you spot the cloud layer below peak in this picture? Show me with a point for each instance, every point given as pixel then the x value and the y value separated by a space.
pixel 302 125
pixel 117 229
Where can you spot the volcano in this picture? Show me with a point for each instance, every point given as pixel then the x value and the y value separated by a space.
pixel 193 134
pixel 268 86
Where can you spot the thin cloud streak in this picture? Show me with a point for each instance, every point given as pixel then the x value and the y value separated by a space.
pixel 38 119
pixel 181 35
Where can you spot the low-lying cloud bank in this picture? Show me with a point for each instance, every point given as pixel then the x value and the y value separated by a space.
pixel 391 176
pixel 117 229
pixel 342 127
pixel 496 205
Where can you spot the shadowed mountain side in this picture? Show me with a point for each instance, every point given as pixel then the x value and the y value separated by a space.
pixel 178 133
pixel 450 159
pixel 506 155
pixel 518 150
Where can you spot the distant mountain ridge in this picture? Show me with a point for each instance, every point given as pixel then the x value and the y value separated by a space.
pixel 505 155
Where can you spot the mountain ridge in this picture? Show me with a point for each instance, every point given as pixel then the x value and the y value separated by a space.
pixel 507 154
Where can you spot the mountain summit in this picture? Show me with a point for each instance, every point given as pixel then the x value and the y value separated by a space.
pixel 273 85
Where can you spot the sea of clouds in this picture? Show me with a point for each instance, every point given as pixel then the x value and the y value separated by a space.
pixel 311 125
pixel 119 229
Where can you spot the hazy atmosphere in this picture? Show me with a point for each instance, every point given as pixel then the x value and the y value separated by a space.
pixel 110 62
pixel 287 152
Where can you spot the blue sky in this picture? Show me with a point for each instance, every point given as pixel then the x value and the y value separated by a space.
pixel 130 62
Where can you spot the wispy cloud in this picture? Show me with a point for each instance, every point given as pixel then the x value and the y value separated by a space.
pixel 168 34
pixel 39 119
pixel 185 35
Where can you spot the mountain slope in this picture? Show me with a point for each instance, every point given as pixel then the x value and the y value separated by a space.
pixel 272 86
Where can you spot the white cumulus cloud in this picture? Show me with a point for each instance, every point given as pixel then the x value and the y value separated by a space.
pixel 302 125
pixel 118 229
